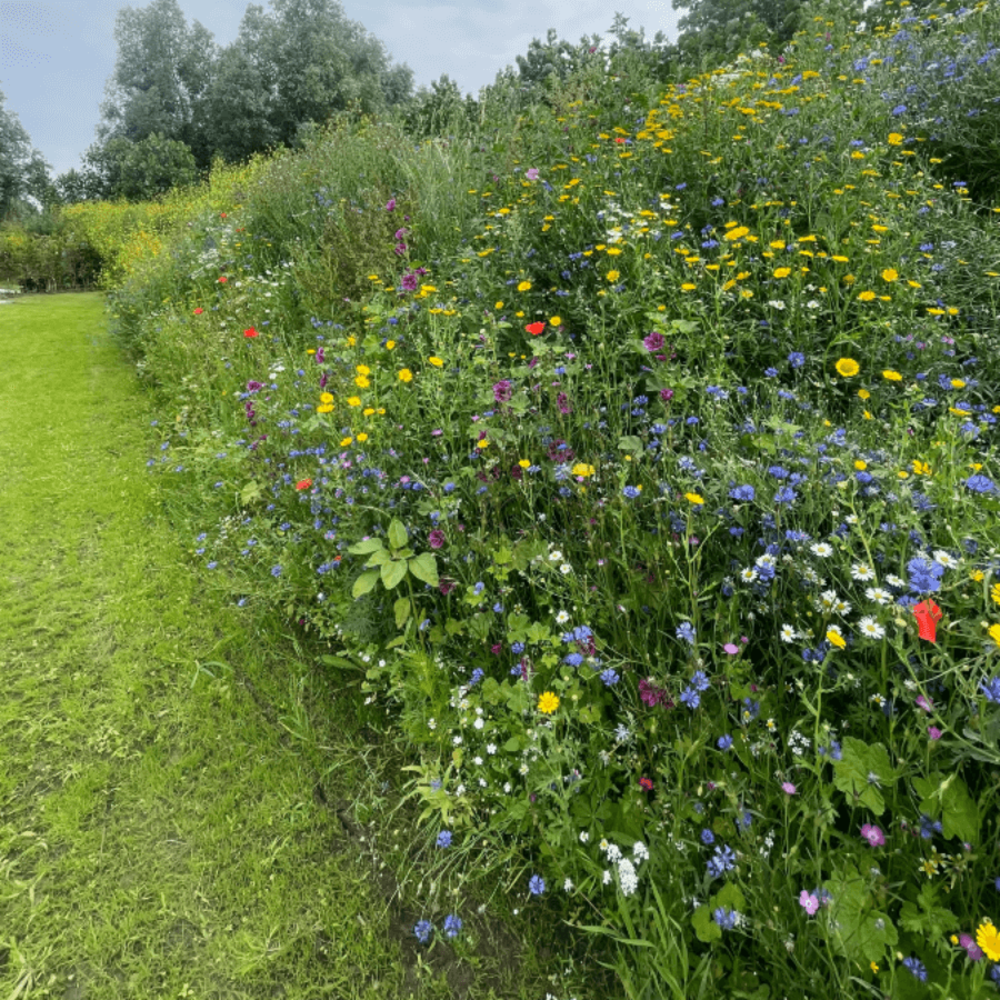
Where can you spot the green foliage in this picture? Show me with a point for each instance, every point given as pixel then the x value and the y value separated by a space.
pixel 23 170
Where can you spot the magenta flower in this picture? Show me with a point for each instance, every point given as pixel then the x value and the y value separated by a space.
pixel 731 648
pixel 873 835
pixel 390 204
pixel 531 174
pixel 925 703
pixel 808 902
pixel 788 788
pixel 972 949
pixel 436 538
pixel 653 341
pixel 409 282
pixel 933 732
pixel 666 395
pixel 502 391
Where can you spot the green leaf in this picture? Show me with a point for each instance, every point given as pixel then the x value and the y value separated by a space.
pixel 454 627
pixel 402 611
pixel 363 548
pixel 704 926
pixel 512 745
pixel 364 583
pixel 424 567
pixel 491 691
pixel 340 662
pixel 863 772
pixel 629 443
pixel 397 534
pixel 378 558
pixel 393 573
pixel 250 492
pixel 961 816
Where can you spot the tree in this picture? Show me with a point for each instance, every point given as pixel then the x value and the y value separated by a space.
pixel 153 166
pixel 24 172
pixel 719 29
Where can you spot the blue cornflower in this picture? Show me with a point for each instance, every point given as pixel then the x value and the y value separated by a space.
pixel 444 838
pixel 700 681
pixel 915 966
pixel 478 588
pixel 536 885
pixel 690 697
pixel 723 860
pixel 796 359
pixel 707 837
pixel 275 571
pixel 724 742
pixel 980 484
pixel 477 676
pixel 631 492
pixel 423 931
pixel 771 372
pixel 929 827
pixel 609 677
pixel 925 576
pixel 573 659
pixel 991 690
pixel 452 925
pixel 743 493
pixel 724 917
pixel 686 631
pixel 785 495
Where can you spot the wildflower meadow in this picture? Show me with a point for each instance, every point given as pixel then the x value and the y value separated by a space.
pixel 638 457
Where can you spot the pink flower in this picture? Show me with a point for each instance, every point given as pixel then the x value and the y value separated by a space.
pixel 390 204
pixel 873 835
pixel 925 703
pixel 531 174
pixel 972 949
pixel 788 788
pixel 933 732
pixel 731 648
pixel 808 902
pixel 436 538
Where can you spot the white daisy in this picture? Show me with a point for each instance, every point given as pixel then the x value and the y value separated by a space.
pixel 788 634
pixel 826 601
pixel 562 617
pixel 821 549
pixel 555 556
pixel 878 595
pixel 748 575
pixel 862 571
pixel 894 581
pixel 870 628
pixel 842 607
pixel 945 559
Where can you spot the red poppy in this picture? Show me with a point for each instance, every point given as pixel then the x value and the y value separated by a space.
pixel 535 328
pixel 198 311
pixel 645 784
pixel 222 215
pixel 619 139
pixel 223 279
pixel 251 333
pixel 303 484
pixel 928 615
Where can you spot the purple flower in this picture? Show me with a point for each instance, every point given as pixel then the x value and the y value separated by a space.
pixel 809 902
pixel 788 788
pixel 436 538
pixel 409 282
pixel 536 885
pixel 531 173
pixel 654 341
pixel 873 835
pixel 452 925
pixel 390 204
pixel 502 391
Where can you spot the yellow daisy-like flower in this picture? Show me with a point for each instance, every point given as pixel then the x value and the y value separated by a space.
pixel 555 321
pixel 864 394
pixel 988 938
pixel 582 469
pixel 890 274
pixel 363 370
pixel 346 441
pixel 994 633
pixel 836 639
pixel 782 272
pixel 847 367
pixel 390 344
pixel 612 275
pixel 548 702
pixel 694 498
pixel 524 463
pixel 361 381
pixel 736 234
pixel 892 376
pixel 866 296
pixel 362 437
pixel 688 287
pixel 354 401
pixel 324 408
pixel 861 465
pixel 921 468
pixel 405 375
pixel 325 397
pixel 895 139
pixel 436 362
pixel 482 444
pixel 995 593
pixel 524 286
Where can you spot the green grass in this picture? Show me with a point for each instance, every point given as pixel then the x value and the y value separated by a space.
pixel 181 791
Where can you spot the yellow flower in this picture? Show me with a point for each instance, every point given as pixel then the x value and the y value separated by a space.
pixel 361 382
pixel 866 296
pixel 354 401
pixel 995 593
pixel 363 370
pixel 864 394
pixel 921 468
pixel 482 444
pixel 890 274
pixel 345 442
pixel 390 344
pixel 688 287
pixel 362 437
pixel 324 408
pixel 957 383
pixel 498 305
pixel 873 966
pixel 847 367
pixel 524 463
pixel 524 286
pixel 836 639
pixel 612 275
pixel 582 469
pixel 735 234
pixel 367 411
pixel 782 272
pixel 405 375
pixel 861 465
pixel 325 397
pixel 548 702
pixel 892 376
pixel 555 321
pixel 436 362
pixel 988 938
pixel 994 633
pixel 895 139
pixel 693 498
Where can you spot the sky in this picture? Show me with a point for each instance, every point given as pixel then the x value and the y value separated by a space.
pixel 57 55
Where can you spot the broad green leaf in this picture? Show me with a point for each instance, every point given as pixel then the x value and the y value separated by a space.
pixel 491 691
pixel 512 745
pixel 961 816
pixel 393 573
pixel 397 534
pixel 363 548
pixel 364 583
pixel 424 567
pixel 704 926
pixel 402 611
pixel 630 443
pixel 378 558
pixel 250 492
pixel 862 773
pixel 454 627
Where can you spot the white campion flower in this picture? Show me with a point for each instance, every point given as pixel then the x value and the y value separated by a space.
pixel 640 851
